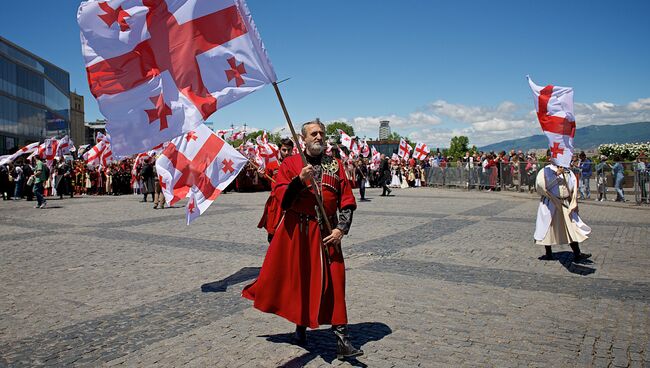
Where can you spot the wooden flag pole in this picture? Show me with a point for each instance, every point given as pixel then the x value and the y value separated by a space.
pixel 317 194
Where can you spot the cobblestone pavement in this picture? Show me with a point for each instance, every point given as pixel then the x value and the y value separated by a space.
pixel 436 278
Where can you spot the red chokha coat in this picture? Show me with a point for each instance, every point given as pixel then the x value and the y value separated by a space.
pixel 296 281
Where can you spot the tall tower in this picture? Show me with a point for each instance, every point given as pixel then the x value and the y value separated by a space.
pixel 384 129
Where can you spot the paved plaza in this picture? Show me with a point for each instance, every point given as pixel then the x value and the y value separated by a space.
pixel 435 278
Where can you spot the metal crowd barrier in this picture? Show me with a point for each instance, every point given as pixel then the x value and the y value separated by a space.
pixel 520 177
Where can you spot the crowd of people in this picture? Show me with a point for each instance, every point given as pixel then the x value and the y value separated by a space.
pixel 488 171
pixel 70 177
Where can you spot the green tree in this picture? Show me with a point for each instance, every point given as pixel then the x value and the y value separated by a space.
pixel 332 130
pixel 458 146
pixel 394 136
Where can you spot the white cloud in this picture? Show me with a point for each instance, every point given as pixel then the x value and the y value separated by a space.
pixel 442 120
pixel 601 113
pixel 497 124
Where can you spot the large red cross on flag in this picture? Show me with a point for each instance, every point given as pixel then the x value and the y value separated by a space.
pixel 376 159
pixel 100 154
pixel 421 151
pixel 268 152
pixel 199 168
pixel 159 68
pixel 365 149
pixel 346 140
pixel 554 107
pixel 404 149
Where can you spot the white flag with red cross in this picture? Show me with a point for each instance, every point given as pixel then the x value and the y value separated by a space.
pixel 404 149
pixel 65 146
pixel 365 149
pixel 421 151
pixel 32 147
pixel 99 153
pixel 198 164
pixel 554 107
pixel 49 150
pixel 268 152
pixel 376 158
pixel 237 135
pixel 346 140
pixel 354 149
pixel 222 133
pixel 159 68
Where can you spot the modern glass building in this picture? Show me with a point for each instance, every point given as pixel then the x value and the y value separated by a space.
pixel 34 98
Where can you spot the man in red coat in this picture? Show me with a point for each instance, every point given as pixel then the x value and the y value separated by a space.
pixel 303 275
pixel 272 210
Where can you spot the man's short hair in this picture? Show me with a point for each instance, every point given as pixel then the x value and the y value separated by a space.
pixel 286 142
pixel 303 130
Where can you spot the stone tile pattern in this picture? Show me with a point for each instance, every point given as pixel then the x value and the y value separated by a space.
pixel 435 278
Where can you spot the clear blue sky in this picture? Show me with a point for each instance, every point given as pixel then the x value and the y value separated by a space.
pixel 434 68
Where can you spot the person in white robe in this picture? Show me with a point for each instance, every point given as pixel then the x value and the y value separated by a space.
pixel 558 219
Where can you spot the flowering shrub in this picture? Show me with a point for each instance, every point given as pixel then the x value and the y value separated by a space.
pixel 627 151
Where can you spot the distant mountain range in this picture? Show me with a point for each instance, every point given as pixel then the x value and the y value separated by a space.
pixel 586 138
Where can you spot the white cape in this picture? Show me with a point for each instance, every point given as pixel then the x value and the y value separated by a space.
pixel 548 188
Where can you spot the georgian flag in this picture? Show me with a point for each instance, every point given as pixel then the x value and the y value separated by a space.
pixel 268 152
pixel 421 151
pixel 50 148
pixel 376 159
pixel 346 141
pixel 99 154
pixel 65 146
pixel 237 135
pixel 222 133
pixel 365 149
pixel 100 137
pixel 199 165
pixel 159 68
pixel 404 149
pixel 354 149
pixel 30 148
pixel 554 106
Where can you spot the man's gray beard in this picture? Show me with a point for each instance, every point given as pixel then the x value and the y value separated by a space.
pixel 314 149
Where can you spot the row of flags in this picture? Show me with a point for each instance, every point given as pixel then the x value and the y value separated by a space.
pixel 48 150
pixel 359 147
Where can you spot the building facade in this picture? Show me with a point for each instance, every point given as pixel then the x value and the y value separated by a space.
pixel 385 147
pixel 77 123
pixel 34 98
pixel 384 129
pixel 91 129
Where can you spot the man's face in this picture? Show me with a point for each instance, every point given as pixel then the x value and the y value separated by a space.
pixel 285 151
pixel 314 139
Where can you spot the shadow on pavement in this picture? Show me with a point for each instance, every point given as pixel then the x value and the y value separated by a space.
pixel 245 274
pixel 322 342
pixel 581 268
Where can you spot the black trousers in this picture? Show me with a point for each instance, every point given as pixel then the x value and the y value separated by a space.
pixel 362 188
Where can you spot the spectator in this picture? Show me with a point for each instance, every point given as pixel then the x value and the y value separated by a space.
pixel 585 176
pixel 619 176
pixel 18 181
pixel 41 176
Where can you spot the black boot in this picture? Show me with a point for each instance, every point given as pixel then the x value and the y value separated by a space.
pixel 549 254
pixel 577 254
pixel 344 348
pixel 300 337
